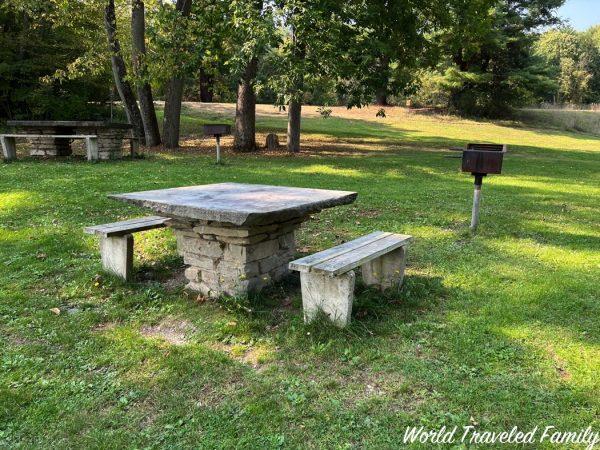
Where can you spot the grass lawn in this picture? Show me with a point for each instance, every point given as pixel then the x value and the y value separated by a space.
pixel 499 329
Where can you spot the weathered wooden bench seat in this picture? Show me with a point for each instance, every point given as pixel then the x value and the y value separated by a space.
pixel 9 144
pixel 116 242
pixel 327 277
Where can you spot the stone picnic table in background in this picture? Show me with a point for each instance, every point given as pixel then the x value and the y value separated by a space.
pixel 236 238
pixel 110 136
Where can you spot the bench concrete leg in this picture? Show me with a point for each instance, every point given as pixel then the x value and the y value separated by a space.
pixel 386 271
pixel 117 255
pixel 134 147
pixel 332 295
pixel 92 148
pixel 9 147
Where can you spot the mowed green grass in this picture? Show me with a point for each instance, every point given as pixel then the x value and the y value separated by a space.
pixel 498 329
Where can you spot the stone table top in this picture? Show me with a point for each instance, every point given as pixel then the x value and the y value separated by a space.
pixel 67 123
pixel 237 203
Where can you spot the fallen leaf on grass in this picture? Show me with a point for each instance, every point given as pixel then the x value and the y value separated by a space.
pixel 55 311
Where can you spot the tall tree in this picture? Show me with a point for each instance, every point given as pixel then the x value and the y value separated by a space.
pixel 384 45
pixel 488 45
pixel 43 60
pixel 174 92
pixel 250 33
pixel 245 110
pixel 138 38
pixel 206 87
pixel 295 91
pixel 391 42
pixel 312 33
pixel 573 62
pixel 120 72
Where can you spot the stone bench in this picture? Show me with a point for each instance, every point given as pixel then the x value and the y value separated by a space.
pixel 327 277
pixel 9 144
pixel 116 242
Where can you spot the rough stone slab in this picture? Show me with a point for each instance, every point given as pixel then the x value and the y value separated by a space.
pixel 272 262
pixel 222 231
pixel 193 274
pixel 67 123
pixel 199 261
pixel 226 230
pixel 238 204
pixel 199 246
pixel 251 252
pixel 287 241
pixel 248 240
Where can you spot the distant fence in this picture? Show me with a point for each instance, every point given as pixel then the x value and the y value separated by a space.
pixel 567 119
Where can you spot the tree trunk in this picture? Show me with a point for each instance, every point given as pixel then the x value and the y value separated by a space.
pixel 381 93
pixel 172 114
pixel 381 97
pixel 138 28
pixel 120 72
pixel 293 130
pixel 206 87
pixel 245 110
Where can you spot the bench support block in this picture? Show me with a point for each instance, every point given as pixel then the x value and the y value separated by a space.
pixel 386 271
pixel 332 295
pixel 91 144
pixel 9 148
pixel 117 255
pixel 134 146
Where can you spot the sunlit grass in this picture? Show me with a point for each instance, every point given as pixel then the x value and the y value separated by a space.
pixel 499 328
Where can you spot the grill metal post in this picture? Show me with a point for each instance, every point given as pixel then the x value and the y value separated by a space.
pixel 476 201
pixel 218 136
pixel 217 130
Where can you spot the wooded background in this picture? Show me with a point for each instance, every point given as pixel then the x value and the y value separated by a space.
pixel 67 59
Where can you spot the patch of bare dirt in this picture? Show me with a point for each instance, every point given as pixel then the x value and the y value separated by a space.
pixel 174 331
pixel 560 365
pixel 256 356
pixel 19 340
pixel 176 281
pixel 106 326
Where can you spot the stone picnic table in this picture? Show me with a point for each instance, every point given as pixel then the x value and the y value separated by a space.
pixel 110 136
pixel 236 238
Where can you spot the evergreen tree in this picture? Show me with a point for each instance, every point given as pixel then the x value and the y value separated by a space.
pixel 489 66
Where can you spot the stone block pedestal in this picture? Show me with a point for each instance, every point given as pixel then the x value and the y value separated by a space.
pixel 41 146
pixel 231 260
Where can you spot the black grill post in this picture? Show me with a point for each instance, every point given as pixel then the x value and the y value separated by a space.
pixel 480 160
pixel 476 200
pixel 217 130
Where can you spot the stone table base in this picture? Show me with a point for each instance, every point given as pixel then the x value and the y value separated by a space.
pixel 226 259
